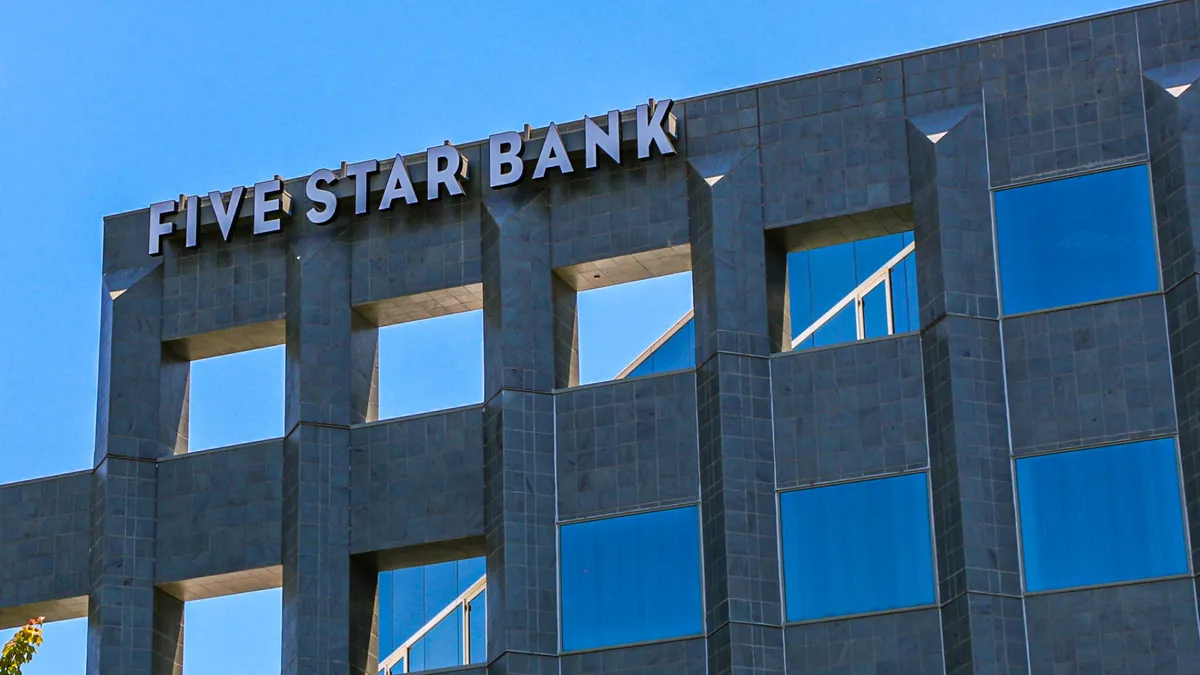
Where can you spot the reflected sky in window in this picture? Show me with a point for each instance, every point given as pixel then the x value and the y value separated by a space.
pixel 631 579
pixel 1101 516
pixel 1076 240
pixel 857 547
pixel 679 351
pixel 819 278
pixel 408 598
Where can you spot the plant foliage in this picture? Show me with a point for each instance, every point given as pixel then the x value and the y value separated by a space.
pixel 22 647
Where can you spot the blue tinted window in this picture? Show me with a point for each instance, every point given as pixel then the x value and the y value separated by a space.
pixel 1100 516
pixel 819 278
pixel 631 579
pixel 479 628
pixel 1076 240
pixel 408 598
pixel 858 547
pixel 679 351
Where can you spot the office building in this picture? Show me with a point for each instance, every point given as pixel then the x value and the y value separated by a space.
pixel 936 410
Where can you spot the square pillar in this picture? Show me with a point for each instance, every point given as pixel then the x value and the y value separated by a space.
pixel 520 339
pixel 133 627
pixel 974 516
pixel 329 617
pixel 1173 119
pixel 743 612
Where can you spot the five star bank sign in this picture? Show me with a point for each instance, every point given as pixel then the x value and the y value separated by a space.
pixel 445 167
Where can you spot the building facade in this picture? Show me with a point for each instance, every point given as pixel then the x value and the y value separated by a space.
pixel 1001 477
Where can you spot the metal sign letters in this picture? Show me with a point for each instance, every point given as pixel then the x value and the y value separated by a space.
pixel 446 171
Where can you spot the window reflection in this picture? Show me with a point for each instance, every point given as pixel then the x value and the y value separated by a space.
pixel 679 351
pixel 857 547
pixel 1076 240
pixel 409 598
pixel 631 579
pixel 820 278
pixel 1101 515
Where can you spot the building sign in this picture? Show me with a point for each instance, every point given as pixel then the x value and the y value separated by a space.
pixel 446 172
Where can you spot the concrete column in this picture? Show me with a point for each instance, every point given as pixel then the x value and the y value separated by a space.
pixel 329 603
pixel 1173 119
pixel 518 444
pixel 133 628
pixel 743 612
pixel 970 469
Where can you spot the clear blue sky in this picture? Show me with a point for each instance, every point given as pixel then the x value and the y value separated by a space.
pixel 107 107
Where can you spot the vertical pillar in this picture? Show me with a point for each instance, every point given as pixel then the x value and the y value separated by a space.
pixel 566 333
pixel 970 468
pixel 133 628
pixel 329 617
pixel 743 612
pixel 1173 120
pixel 518 444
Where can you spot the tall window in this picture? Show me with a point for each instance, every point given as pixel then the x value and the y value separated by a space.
pixel 857 547
pixel 631 579
pixel 1076 240
pixel 1101 516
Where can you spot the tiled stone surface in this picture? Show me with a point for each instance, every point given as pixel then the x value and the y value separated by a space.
pixel 518 307
pixel 522 603
pixel 684 657
pixel 1143 628
pixel 122 599
pixel 956 263
pixel 984 633
pixel 627 445
pixel 417 481
pixel 973 513
pixel 745 648
pixel 1183 315
pixel 612 211
pixel 850 411
pixel 220 285
pixel 728 254
pixel 1176 181
pixel 738 510
pixel 833 144
pixel 415 249
pixel 328 600
pixel 45 530
pixel 975 532
pixel 1169 34
pixel 1089 375
pixel 330 376
pixel 142 397
pixel 907 642
pixel 1063 99
pixel 219 511
pixel 316 550
pixel 943 79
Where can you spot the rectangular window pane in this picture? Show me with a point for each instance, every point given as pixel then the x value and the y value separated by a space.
pixel 843 327
pixel 442 646
pixel 857 548
pixel 479 628
pixel 875 313
pixel 410 597
pixel 1076 240
pixel 1101 516
pixel 631 579
pixel 818 279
